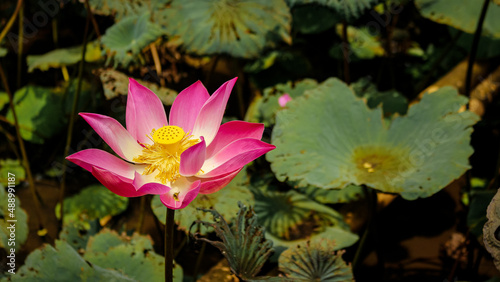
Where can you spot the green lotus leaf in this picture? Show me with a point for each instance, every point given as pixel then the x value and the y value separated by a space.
pixel 333 196
pixel 7 215
pixel 115 83
pixel 291 218
pixel 491 228
pixel 11 166
pixel 310 19
pixel 349 9
pixel 3 52
pixel 243 243
pixel 4 99
pixel 238 28
pixel 479 198
pixel 62 263
pixel 461 14
pixel 62 57
pixel 126 38
pixel 39 113
pixel 264 108
pixel 93 202
pixel 131 256
pixel 77 233
pixel 223 200
pixel 315 261
pixel 329 138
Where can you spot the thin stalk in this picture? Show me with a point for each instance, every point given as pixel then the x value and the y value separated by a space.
pixel 475 44
pixel 345 42
pixel 20 46
pixel 26 162
pixel 156 59
pixel 169 245
pixel 141 214
pixel 11 21
pixel 199 259
pixel 72 116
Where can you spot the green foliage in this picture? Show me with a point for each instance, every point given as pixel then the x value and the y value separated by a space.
pixel 11 166
pixel 21 225
pixel 121 8
pixel 4 99
pixel 479 197
pixel 223 200
pixel 461 14
pixel 63 263
pixel 361 43
pixel 243 244
pixel 125 39
pixel 62 57
pixel 315 261
pixel 133 257
pixel 77 233
pixel 93 202
pixel 320 143
pixel 392 101
pixel 3 52
pixel 39 112
pixel 349 9
pixel 238 28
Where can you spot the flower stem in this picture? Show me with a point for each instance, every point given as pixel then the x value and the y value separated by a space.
pixel 169 245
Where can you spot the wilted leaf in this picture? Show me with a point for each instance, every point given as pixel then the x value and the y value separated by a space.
pixel 132 256
pixel 315 261
pixel 329 138
pixel 120 8
pixel 11 166
pixel 115 83
pixel 95 202
pixel 491 230
pixel 461 14
pixel 349 9
pixel 63 57
pixel 224 201
pixel 126 38
pixel 243 244
pixel 7 215
pixel 362 43
pixel 39 112
pixel 62 263
pixel 238 28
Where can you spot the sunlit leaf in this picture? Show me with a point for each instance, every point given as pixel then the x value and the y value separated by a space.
pixel 115 83
pixel 132 256
pixel 63 57
pixel 95 202
pixel 265 108
pixel 243 243
pixel 461 14
pixel 349 9
pixel 39 112
pixel 329 138
pixel 224 201
pixel 126 38
pixel 491 234
pixel 238 28
pixel 362 43
pixel 7 217
pixel 315 261
pixel 62 263
pixel 14 167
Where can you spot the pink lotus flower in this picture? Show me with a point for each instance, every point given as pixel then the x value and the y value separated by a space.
pixel 192 154
pixel 284 99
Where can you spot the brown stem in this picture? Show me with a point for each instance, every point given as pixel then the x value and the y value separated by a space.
pixel 9 24
pixel 169 245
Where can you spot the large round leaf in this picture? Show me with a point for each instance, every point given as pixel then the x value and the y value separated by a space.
pixel 238 28
pixel 461 14
pixel 329 138
pixel 8 216
pixel 225 201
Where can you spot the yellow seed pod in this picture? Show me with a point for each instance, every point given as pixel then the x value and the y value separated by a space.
pixel 169 134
